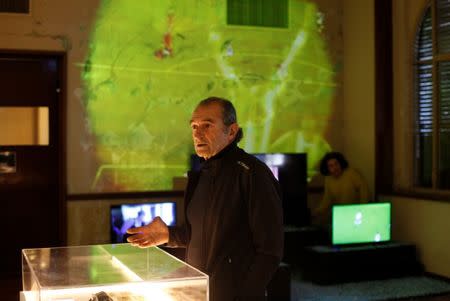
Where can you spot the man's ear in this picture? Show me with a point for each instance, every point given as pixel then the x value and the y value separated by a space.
pixel 233 131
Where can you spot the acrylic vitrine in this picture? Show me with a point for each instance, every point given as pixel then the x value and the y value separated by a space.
pixel 117 272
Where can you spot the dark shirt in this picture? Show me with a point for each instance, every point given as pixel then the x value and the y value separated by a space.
pixel 196 218
pixel 240 227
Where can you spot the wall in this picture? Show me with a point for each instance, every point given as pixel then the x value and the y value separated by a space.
pixel 359 87
pixel 24 126
pixel 424 222
pixel 18 126
pixel 64 26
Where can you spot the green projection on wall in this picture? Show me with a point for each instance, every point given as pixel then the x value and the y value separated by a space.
pixel 150 62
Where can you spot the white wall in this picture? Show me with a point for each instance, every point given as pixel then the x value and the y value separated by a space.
pixel 426 224
pixel 359 87
pixel 423 222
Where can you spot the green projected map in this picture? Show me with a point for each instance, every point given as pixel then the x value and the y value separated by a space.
pixel 151 62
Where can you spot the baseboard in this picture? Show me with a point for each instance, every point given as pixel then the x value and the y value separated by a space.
pixel 437 276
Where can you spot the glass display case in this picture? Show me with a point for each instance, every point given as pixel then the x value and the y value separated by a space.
pixel 117 272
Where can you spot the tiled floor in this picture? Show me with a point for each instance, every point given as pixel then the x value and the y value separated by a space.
pixel 380 290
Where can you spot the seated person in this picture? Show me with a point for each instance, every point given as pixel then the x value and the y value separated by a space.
pixel 343 185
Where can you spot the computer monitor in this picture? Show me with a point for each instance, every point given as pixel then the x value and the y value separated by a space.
pixel 290 170
pixel 361 223
pixel 125 216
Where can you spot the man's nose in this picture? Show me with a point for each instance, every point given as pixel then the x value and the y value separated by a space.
pixel 197 133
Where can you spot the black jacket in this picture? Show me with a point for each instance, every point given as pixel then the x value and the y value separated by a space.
pixel 243 226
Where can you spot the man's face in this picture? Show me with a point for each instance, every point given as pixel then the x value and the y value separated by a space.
pixel 209 133
pixel 334 168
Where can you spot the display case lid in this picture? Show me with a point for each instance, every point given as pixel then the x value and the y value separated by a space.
pixel 97 265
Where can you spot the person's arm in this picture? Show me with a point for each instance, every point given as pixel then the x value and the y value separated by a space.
pixel 266 223
pixel 325 203
pixel 177 237
pixel 153 234
pixel 157 233
pixel 362 187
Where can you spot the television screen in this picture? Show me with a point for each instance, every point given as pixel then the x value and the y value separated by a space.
pixel 290 170
pixel 127 216
pixel 361 223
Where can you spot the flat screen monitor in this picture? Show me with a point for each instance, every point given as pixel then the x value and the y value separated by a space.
pixel 127 216
pixel 290 170
pixel 361 223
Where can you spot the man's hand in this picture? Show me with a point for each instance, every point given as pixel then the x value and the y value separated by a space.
pixel 153 234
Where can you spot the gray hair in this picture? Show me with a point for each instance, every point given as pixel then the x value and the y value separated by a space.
pixel 228 112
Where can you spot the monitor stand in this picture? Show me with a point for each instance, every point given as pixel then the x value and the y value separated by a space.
pixel 326 264
pixel 296 238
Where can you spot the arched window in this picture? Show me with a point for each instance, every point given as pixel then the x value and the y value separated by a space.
pixel 432 102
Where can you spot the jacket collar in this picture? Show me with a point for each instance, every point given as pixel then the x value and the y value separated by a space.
pixel 214 160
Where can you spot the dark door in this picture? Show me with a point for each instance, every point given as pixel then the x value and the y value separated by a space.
pixel 32 187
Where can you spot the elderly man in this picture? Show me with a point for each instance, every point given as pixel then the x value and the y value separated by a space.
pixel 234 227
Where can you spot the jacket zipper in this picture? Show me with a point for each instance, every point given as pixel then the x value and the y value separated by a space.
pixel 206 216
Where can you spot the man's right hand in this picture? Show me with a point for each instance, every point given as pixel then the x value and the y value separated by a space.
pixel 153 234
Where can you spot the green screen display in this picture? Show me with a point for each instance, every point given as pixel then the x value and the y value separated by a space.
pixel 150 62
pixel 361 223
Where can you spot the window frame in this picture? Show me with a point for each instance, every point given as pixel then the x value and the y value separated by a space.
pixel 436 59
pixel 394 172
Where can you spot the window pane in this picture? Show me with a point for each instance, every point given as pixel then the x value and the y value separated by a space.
pixel 269 13
pixel 424 162
pixel 24 126
pixel 443 24
pixel 424 43
pixel 444 125
pixel 424 126
pixel 15 6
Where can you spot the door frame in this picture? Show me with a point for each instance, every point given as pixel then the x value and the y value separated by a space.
pixel 61 58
